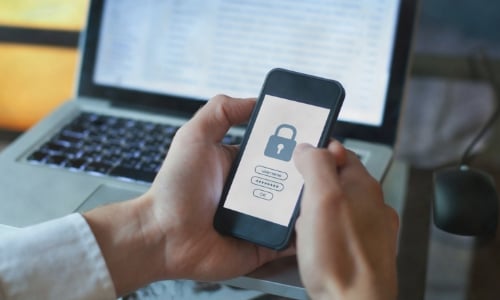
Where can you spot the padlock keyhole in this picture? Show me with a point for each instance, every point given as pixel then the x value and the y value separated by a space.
pixel 280 147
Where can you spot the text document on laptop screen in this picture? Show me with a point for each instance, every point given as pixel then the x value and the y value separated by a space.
pixel 197 49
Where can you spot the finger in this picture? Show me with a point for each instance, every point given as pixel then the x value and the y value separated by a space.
pixel 353 166
pixel 213 120
pixel 321 227
pixel 353 176
pixel 338 150
pixel 321 182
pixel 317 166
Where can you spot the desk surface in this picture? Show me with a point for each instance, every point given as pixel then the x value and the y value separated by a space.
pixel 436 265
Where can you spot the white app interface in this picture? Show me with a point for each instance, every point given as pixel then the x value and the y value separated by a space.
pixel 266 184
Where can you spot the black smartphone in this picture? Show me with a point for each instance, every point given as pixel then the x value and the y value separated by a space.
pixel 260 200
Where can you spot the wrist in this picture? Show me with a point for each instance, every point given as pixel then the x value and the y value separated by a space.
pixel 130 242
pixel 364 286
pixel 324 288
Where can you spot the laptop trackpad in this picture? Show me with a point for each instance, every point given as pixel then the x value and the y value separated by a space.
pixel 106 194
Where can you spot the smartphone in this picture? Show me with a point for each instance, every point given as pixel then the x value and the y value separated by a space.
pixel 260 199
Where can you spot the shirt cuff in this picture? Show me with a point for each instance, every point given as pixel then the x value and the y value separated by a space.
pixel 59 259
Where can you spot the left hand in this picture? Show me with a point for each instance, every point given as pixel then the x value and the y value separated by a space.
pixel 168 232
pixel 188 189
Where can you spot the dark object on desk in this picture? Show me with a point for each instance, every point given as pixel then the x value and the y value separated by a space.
pixel 465 202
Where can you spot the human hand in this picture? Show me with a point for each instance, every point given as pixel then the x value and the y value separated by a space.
pixel 168 232
pixel 346 234
pixel 188 189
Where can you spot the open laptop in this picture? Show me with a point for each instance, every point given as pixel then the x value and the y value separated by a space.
pixel 152 65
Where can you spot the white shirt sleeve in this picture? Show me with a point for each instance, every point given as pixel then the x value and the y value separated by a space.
pixel 59 259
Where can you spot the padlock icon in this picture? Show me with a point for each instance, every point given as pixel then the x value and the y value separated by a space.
pixel 279 146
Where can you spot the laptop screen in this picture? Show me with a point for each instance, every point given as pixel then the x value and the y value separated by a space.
pixel 191 50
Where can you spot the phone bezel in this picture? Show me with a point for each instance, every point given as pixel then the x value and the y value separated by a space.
pixel 293 86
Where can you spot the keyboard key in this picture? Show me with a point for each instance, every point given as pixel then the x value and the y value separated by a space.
pixel 76 163
pixel 130 163
pixel 55 160
pixel 98 167
pixel 76 131
pixel 38 156
pixel 53 147
pixel 71 140
pixel 110 159
pixel 134 174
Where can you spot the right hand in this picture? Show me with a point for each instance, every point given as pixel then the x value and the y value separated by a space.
pixel 346 234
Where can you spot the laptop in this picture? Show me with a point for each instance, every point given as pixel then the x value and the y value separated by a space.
pixel 150 66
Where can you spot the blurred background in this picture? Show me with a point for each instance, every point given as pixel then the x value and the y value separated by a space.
pixel 448 100
pixel 447 97
pixel 38 57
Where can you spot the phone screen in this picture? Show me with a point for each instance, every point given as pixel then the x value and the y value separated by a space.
pixel 266 184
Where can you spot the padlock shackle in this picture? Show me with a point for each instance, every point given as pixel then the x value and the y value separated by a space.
pixel 287 126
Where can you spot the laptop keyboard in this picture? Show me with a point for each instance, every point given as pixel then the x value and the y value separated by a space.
pixel 107 145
